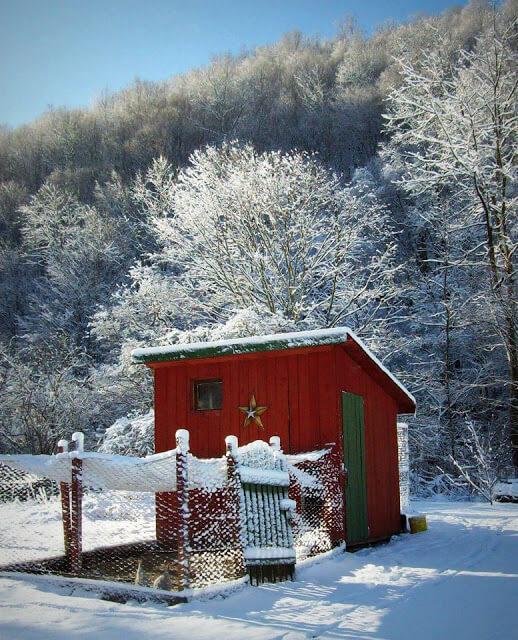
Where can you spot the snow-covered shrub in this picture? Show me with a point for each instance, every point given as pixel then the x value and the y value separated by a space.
pixel 483 461
pixel 436 485
pixel 506 490
pixel 130 436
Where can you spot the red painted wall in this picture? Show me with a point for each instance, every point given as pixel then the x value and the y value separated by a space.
pixel 301 388
pixel 297 388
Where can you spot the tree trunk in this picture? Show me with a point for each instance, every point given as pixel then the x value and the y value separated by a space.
pixel 513 392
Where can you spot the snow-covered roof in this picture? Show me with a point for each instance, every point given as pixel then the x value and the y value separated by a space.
pixel 274 342
pixel 236 346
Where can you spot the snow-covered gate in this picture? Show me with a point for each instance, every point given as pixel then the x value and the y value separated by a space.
pixel 253 509
pixel 267 536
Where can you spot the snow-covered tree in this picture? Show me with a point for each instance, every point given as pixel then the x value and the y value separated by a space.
pixel 453 128
pixel 44 395
pixel 84 240
pixel 276 233
pixel 456 378
pixel 74 251
pixel 250 244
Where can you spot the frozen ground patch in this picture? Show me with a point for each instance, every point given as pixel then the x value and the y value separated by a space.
pixel 458 580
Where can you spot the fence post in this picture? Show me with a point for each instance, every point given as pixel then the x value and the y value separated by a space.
pixel 234 480
pixel 182 508
pixel 231 450
pixel 76 506
pixel 64 489
pixel 275 443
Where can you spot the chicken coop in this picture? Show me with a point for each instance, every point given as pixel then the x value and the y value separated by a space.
pixel 268 450
pixel 319 391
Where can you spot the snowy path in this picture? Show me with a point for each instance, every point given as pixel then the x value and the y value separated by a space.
pixel 458 580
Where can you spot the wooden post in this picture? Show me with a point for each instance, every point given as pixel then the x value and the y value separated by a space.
pixel 76 507
pixel 182 508
pixel 234 480
pixel 275 443
pixel 231 452
pixel 64 488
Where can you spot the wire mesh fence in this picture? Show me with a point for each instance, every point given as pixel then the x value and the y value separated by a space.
pixel 215 542
pixel 30 519
pixel 316 486
pixel 198 523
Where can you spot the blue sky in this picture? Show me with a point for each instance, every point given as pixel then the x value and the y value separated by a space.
pixel 66 53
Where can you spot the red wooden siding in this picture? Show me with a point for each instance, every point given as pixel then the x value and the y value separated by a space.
pixel 296 387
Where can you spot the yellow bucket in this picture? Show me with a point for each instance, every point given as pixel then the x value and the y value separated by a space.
pixel 417 524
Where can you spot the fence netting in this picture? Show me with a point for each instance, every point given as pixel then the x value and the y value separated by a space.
pixel 316 485
pixel 30 519
pixel 193 532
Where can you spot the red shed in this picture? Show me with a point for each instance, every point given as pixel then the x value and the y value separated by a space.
pixel 314 389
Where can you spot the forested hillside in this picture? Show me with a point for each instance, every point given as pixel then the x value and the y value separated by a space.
pixel 365 181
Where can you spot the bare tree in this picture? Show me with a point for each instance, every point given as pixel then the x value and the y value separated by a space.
pixel 481 464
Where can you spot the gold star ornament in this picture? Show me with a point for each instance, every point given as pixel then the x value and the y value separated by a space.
pixel 253 413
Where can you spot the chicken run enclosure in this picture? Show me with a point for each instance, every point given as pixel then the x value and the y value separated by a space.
pixel 93 516
pixel 180 519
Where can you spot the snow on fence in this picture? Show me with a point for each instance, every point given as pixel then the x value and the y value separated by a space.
pixel 171 520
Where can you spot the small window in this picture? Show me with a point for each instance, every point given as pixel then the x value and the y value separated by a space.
pixel 208 394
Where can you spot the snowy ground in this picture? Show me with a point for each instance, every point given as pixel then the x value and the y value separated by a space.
pixel 33 530
pixel 458 580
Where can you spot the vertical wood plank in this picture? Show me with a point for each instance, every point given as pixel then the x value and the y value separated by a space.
pixel 172 406
pixel 244 399
pixel 271 416
pixel 304 410
pixel 293 391
pixel 282 403
pixel 252 432
pixel 314 391
pixel 262 397
pixel 232 413
pixel 182 401
pixel 327 386
pixel 161 424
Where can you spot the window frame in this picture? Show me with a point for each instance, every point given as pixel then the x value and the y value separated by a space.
pixel 194 399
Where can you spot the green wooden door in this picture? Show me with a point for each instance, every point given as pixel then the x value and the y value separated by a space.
pixel 354 458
